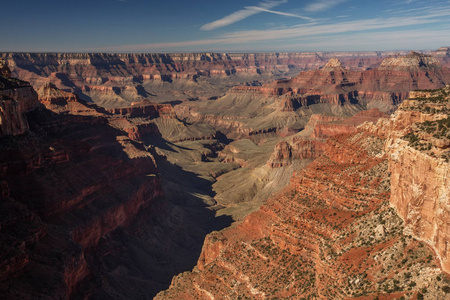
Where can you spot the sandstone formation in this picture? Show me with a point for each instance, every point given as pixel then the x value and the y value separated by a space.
pixel 443 54
pixel 115 80
pixel 310 143
pixel 284 107
pixel 16 98
pixel 381 87
pixel 332 232
pixel 418 144
pixel 111 202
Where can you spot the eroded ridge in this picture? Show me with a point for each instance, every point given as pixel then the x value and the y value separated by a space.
pixel 330 234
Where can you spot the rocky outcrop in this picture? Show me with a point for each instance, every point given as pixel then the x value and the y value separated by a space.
pixel 310 143
pixel 115 80
pixel 329 234
pixel 145 109
pixel 140 131
pixel 443 55
pixel 412 61
pixel 417 143
pixel 16 98
pixel 50 94
pixel 11 119
pixel 389 83
pixel 285 106
pixel 420 192
pixel 4 70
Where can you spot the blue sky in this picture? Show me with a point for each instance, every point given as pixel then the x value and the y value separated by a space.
pixel 225 26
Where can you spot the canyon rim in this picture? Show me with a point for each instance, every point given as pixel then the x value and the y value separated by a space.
pixel 264 149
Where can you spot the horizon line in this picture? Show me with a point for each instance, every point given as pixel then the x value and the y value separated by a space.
pixel 213 52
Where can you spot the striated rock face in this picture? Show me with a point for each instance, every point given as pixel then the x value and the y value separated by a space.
pixel 16 98
pixel 285 106
pixel 443 55
pixel 353 224
pixel 333 64
pixel 11 120
pixel 4 70
pixel 389 83
pixel 50 94
pixel 145 109
pixel 71 185
pixel 412 61
pixel 420 192
pixel 116 80
pixel 330 234
pixel 418 145
pixel 310 143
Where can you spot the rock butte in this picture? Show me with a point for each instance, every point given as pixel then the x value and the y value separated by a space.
pixel 116 168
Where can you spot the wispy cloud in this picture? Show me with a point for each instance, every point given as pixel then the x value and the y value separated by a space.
pixel 402 39
pixel 311 31
pixel 243 14
pixel 322 5
pixel 279 13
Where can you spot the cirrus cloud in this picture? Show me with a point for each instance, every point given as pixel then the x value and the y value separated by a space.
pixel 248 11
pixel 323 5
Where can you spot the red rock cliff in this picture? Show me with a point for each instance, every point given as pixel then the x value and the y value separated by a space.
pixel 69 183
pixel 418 145
pixel 16 98
pixel 329 235
pixel 115 80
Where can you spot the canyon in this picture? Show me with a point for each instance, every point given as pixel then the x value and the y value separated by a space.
pixel 83 206
pixel 115 80
pixel 343 228
pixel 120 171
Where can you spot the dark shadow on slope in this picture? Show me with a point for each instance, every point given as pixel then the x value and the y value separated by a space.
pixel 173 103
pixel 142 92
pixel 65 157
pixel 168 243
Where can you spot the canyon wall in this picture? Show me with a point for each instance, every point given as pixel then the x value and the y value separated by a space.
pixel 16 98
pixel 368 218
pixel 421 193
pixel 418 144
pixel 114 80
pixel 310 143
pixel 283 107
pixel 82 207
pixel 86 190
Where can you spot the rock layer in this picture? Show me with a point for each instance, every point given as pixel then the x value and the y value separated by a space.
pixel 16 98
pixel 335 231
pixel 115 80
pixel 329 234
pixel 284 106
pixel 418 142
pixel 73 186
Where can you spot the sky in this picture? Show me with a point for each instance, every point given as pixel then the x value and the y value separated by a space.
pixel 223 26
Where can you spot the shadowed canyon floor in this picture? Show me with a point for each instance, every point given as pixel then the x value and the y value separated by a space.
pixel 113 201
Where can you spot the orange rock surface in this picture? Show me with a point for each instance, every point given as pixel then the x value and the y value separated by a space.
pixel 332 233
